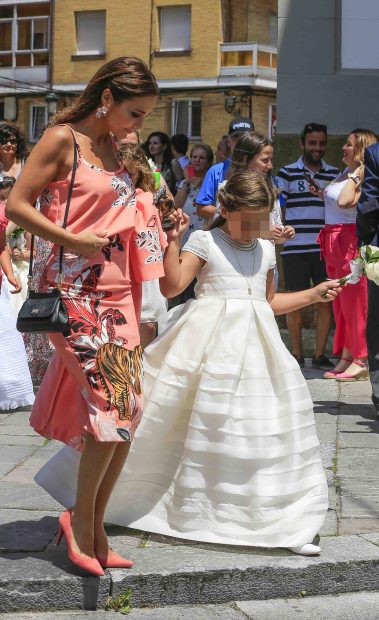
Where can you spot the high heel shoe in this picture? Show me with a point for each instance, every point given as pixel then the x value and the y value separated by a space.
pixel 361 375
pixel 91 565
pixel 331 374
pixel 114 560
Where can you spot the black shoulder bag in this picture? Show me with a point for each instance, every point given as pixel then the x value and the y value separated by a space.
pixel 46 312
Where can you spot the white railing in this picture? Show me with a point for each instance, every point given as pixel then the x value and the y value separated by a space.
pixel 248 59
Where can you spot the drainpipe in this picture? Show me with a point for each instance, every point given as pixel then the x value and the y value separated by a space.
pixel 51 43
pixel 151 33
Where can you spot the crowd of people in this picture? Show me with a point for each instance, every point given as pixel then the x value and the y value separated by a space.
pixel 226 449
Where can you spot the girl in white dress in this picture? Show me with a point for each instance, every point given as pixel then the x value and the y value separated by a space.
pixel 227 450
pixel 16 389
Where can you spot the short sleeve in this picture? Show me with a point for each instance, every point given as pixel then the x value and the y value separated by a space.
pixel 148 241
pixel 198 244
pixel 271 250
pixel 207 193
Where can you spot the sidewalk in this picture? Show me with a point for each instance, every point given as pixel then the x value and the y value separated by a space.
pixel 36 576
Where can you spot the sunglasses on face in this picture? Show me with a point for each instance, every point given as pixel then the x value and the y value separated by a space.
pixel 4 140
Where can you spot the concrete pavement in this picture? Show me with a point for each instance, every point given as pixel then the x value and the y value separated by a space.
pixel 36 576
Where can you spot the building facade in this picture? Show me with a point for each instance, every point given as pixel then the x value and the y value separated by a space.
pixel 328 71
pixel 213 60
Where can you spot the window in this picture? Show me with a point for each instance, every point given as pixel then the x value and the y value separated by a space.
pixel 90 32
pixel 359 34
pixel 37 121
pixel 175 28
pixel 24 35
pixel 186 118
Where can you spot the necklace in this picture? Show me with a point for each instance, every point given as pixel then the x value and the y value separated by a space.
pixel 252 268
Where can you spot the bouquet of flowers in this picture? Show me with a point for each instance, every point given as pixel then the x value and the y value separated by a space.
pixel 17 238
pixel 367 263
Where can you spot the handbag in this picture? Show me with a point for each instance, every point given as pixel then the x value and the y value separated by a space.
pixel 46 312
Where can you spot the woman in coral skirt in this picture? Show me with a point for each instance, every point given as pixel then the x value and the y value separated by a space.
pixel 91 396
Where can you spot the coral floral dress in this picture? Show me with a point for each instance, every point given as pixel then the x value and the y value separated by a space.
pixel 94 381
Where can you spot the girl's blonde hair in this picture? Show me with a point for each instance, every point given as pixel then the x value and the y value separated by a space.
pixel 133 152
pixel 363 138
pixel 245 190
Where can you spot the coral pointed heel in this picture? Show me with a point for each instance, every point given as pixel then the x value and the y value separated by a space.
pixel 114 560
pixel 91 565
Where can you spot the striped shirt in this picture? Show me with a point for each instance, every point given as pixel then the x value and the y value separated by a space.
pixel 304 211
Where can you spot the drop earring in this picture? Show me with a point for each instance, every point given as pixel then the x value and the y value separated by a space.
pixel 102 111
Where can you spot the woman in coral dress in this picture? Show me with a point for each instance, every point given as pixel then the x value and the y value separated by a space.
pixel 91 395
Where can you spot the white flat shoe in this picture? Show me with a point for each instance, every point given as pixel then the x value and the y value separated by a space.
pixel 307 549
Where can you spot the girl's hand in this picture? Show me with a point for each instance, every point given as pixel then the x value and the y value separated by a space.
pixel 288 232
pixel 181 221
pixel 89 243
pixel 327 291
pixel 277 232
pixel 15 282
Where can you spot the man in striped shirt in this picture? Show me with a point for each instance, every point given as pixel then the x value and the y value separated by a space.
pixel 302 263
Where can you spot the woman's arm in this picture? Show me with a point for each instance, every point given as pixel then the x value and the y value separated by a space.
pixel 10 228
pixel 350 195
pixel 205 211
pixel 180 269
pixel 282 303
pixel 181 194
pixel 50 160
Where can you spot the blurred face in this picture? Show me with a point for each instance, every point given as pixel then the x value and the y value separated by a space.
pixel 262 162
pixel 199 161
pixel 248 224
pixel 4 193
pixel 8 145
pixel 314 147
pixel 348 151
pixel 127 115
pixel 155 146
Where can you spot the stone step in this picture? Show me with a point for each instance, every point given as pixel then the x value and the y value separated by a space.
pixel 168 573
pixel 362 605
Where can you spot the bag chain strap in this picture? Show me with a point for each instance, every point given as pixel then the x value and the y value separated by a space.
pixel 60 274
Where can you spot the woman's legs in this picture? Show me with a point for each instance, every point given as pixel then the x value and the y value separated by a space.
pixel 94 464
pixel 104 492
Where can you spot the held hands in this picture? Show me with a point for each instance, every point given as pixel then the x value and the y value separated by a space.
pixel 89 243
pixel 327 291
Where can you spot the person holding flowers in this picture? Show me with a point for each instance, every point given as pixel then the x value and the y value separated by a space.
pixel 338 244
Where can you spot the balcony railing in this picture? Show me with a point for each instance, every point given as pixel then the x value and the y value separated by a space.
pixel 248 59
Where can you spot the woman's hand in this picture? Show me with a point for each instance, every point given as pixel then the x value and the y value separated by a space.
pixel 89 243
pixel 327 291
pixel 15 282
pixel 288 232
pixel 181 223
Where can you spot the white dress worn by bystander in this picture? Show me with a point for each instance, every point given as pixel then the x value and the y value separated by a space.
pixel 227 450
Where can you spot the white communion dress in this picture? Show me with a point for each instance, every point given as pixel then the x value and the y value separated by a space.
pixel 227 450
pixel 16 389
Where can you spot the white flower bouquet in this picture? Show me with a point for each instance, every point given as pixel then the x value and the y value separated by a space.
pixel 367 263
